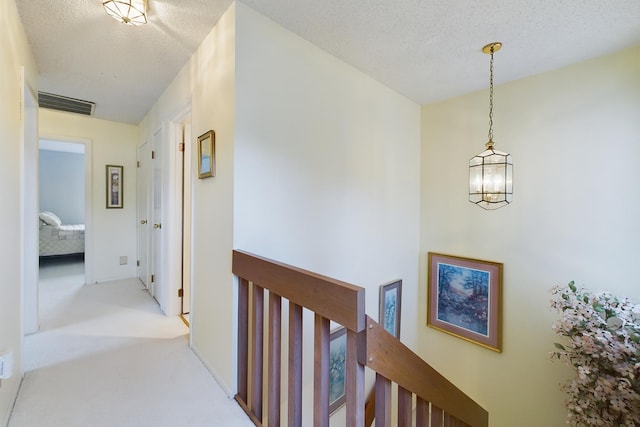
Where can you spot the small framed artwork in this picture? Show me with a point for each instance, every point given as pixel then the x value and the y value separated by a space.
pixel 207 155
pixel 115 187
pixel 390 307
pixel 464 298
pixel 337 368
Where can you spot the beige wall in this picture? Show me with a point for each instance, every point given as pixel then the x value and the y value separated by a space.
pixel 206 86
pixel 317 165
pixel 327 169
pixel 213 108
pixel 113 231
pixel 574 135
pixel 14 54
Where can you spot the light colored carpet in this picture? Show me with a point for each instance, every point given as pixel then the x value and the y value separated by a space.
pixel 106 357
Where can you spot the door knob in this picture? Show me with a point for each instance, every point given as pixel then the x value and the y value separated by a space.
pixel 144 221
pixel 157 225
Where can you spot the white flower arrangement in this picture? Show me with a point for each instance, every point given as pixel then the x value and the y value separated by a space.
pixel 603 345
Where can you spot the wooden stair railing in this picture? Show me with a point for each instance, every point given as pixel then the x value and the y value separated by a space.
pixel 330 300
pixel 438 402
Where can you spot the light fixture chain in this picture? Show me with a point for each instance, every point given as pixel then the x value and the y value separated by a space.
pixel 491 97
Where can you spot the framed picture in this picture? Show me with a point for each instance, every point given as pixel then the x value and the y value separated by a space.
pixel 207 155
pixel 115 187
pixel 464 299
pixel 337 367
pixel 390 307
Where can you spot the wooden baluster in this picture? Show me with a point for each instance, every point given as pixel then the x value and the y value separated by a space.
pixel 243 337
pixel 422 413
pixel 437 416
pixel 370 408
pixel 257 340
pixel 451 421
pixel 354 377
pixel 295 365
pixel 404 407
pixel 274 360
pixel 321 372
pixel 383 401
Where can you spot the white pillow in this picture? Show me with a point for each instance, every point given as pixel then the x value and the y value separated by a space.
pixel 50 218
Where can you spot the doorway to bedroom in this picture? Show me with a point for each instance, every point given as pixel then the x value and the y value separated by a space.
pixel 62 210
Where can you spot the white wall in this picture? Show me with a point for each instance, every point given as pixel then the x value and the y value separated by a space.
pixel 317 165
pixel 327 169
pixel 62 185
pixel 113 231
pixel 573 134
pixel 322 167
pixel 207 84
pixel 213 108
pixel 14 54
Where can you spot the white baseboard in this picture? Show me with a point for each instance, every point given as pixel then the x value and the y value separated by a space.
pixel 7 417
pixel 230 393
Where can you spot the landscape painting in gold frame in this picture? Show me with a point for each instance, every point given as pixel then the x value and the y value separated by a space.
pixel 464 298
pixel 337 368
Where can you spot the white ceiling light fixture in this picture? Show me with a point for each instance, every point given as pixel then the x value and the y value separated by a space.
pixel 491 172
pixel 130 12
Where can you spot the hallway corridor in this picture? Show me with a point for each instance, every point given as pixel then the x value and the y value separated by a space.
pixel 106 357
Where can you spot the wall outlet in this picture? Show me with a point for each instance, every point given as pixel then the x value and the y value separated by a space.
pixel 6 365
pixel 123 260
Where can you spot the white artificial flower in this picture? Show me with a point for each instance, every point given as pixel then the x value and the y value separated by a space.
pixel 602 342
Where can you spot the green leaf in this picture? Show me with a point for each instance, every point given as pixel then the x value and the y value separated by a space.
pixel 598 307
pixel 572 286
pixel 559 346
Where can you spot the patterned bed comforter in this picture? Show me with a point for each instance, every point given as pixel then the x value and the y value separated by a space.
pixel 63 240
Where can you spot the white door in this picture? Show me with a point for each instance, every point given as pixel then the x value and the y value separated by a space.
pixel 156 217
pixel 143 179
pixel 186 217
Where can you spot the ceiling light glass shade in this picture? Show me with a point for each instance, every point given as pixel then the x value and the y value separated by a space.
pixel 130 12
pixel 491 179
pixel 491 172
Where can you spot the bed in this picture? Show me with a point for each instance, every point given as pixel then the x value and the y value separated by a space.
pixel 59 239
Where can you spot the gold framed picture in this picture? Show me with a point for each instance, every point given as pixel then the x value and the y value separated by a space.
pixel 389 312
pixel 464 298
pixel 207 155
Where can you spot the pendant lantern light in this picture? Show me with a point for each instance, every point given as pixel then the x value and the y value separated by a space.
pixel 491 172
pixel 130 12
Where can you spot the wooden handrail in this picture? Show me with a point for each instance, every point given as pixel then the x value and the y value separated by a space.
pixel 367 344
pixel 391 359
pixel 339 301
pixel 330 300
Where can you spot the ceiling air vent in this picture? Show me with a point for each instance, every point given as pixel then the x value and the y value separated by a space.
pixel 63 103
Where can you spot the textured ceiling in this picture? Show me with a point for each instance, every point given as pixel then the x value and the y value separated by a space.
pixel 427 50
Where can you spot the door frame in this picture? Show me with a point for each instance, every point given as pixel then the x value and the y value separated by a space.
pixel 29 194
pixel 158 246
pixel 170 266
pixel 143 176
pixel 174 197
pixel 182 134
pixel 31 303
pixel 88 191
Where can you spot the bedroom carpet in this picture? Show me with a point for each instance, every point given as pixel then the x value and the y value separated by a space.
pixel 106 357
